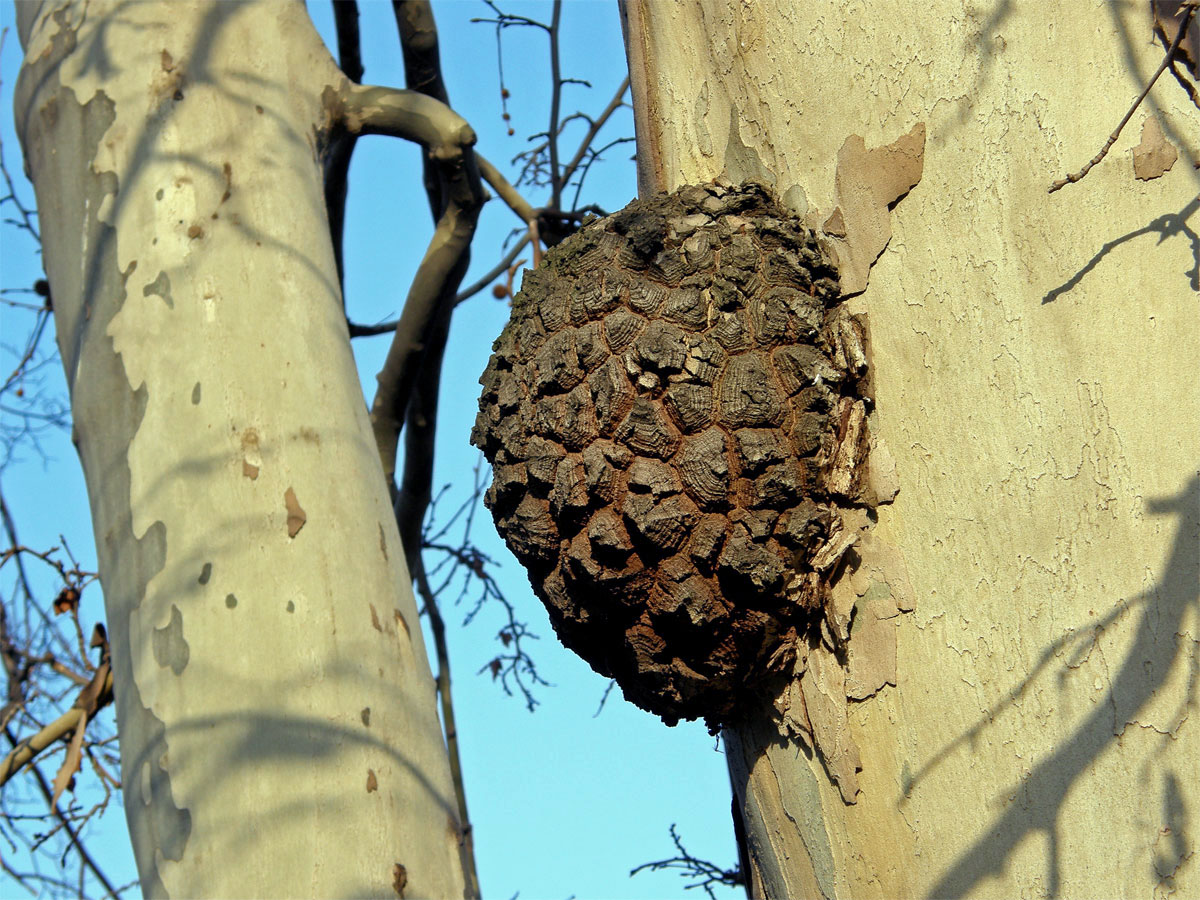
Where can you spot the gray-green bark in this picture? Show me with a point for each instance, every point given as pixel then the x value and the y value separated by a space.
pixel 275 706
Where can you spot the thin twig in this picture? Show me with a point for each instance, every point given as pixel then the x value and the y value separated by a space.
pixel 556 181
pixel 594 128
pixel 72 833
pixel 1190 7
pixel 357 330
pixel 708 873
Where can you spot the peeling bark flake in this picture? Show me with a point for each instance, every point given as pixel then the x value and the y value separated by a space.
pixel 400 622
pixel 399 880
pixel 824 686
pixel 872 647
pixel 1155 155
pixel 296 516
pixel 375 618
pixel 372 782
pixel 866 185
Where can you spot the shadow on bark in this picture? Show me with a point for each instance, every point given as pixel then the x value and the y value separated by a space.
pixel 1159 645
pixel 1165 226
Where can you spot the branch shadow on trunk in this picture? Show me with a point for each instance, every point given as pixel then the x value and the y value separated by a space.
pixel 1158 646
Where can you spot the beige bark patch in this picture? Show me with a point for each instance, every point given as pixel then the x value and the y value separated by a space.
pixel 824 688
pixel 296 515
pixel 1155 155
pixel 883 562
pixel 872 648
pixel 882 481
pixel 867 184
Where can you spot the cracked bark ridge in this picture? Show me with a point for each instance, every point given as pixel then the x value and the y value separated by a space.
pixel 673 414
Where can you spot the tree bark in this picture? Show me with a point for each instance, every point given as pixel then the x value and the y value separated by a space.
pixel 275 706
pixel 1033 365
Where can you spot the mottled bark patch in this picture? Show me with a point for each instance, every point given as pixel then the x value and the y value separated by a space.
pixel 170 646
pixel 674 413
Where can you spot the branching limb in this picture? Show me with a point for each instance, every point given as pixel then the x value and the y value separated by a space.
pixel 341 148
pixel 423 72
pixel 509 194
pixel 1189 10
pixel 371 109
pixel 72 833
pixel 503 266
pixel 402 366
pixel 94 696
pixel 447 139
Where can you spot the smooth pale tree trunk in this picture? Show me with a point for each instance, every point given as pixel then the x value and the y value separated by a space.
pixel 275 707
pixel 1034 360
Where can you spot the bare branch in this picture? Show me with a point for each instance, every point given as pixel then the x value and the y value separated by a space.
pixel 73 834
pixel 594 128
pixel 556 181
pixel 357 330
pixel 447 139
pixel 95 695
pixel 1189 8
pixel 708 873
pixel 495 272
pixel 423 72
pixel 509 194
pixel 341 147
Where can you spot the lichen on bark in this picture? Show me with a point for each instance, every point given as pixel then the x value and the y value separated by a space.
pixel 674 414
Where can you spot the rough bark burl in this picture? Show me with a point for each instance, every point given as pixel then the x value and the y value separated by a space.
pixel 664 413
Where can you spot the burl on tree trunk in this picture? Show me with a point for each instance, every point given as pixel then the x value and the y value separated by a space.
pixel 675 414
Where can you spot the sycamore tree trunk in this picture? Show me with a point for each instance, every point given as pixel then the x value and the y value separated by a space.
pixel 275 707
pixel 1034 372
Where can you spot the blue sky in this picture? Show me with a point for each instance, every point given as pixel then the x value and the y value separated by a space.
pixel 563 802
